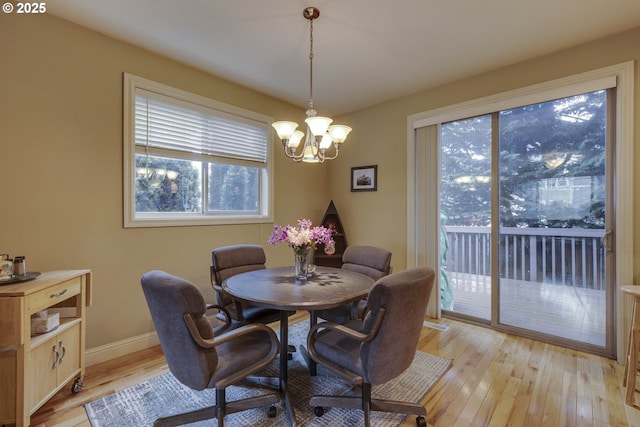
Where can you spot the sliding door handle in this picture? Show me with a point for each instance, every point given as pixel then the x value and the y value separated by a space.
pixel 605 239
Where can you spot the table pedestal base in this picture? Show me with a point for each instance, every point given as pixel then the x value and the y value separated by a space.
pixel 284 368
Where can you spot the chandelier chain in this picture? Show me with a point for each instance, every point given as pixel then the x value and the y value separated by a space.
pixel 311 63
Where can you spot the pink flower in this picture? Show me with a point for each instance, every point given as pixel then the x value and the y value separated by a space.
pixel 302 236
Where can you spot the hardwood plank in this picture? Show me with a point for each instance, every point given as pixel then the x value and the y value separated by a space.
pixel 506 405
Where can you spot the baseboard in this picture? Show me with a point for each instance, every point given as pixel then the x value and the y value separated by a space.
pixel 144 341
pixel 126 346
pixel 120 348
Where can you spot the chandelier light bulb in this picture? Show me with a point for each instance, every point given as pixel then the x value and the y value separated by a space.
pixel 318 125
pixel 295 139
pixel 339 133
pixel 285 129
pixel 310 154
pixel 326 141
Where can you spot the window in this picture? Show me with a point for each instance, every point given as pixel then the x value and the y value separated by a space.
pixel 190 160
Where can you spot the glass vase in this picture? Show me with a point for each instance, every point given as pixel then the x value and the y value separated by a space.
pixel 301 257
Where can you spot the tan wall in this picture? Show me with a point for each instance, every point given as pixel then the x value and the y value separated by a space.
pixel 61 169
pixel 380 137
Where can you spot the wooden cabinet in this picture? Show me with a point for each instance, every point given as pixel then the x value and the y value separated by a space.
pixel 34 368
pixel 331 257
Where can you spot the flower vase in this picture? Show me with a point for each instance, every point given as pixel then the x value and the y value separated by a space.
pixel 301 257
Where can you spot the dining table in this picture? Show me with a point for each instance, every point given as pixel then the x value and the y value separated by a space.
pixel 278 288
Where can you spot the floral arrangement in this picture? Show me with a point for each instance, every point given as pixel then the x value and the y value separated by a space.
pixel 302 237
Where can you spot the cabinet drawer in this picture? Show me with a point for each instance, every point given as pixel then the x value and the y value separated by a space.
pixel 53 295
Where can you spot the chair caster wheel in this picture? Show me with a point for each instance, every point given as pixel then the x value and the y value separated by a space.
pixel 289 356
pixel 421 422
pixel 272 412
pixel 77 385
pixel 319 411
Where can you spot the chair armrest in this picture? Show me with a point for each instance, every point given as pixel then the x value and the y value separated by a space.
pixel 212 275
pixel 230 335
pixel 341 329
pixel 346 331
pixel 359 309
pixel 218 288
pixel 224 311
pixel 228 322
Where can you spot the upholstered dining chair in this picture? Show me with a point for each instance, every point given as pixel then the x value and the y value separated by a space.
pixel 227 261
pixel 199 358
pixel 380 347
pixel 369 260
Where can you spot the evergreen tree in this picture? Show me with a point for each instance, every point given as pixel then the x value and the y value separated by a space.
pixel 540 145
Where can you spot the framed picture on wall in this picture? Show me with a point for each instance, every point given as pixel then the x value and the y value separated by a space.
pixel 364 178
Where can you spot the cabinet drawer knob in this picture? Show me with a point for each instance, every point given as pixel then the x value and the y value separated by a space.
pixel 59 294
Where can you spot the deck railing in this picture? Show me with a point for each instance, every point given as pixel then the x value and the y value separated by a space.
pixel 573 257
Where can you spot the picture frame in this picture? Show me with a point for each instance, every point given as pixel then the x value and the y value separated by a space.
pixel 364 178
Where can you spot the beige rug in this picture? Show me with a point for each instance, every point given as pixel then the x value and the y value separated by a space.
pixel 140 405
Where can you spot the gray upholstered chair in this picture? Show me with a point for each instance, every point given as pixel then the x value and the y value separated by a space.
pixel 199 358
pixel 227 261
pixel 380 347
pixel 369 260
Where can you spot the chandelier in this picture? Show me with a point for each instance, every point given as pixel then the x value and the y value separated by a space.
pixel 321 135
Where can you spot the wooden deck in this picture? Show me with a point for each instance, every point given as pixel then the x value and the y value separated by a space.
pixel 563 311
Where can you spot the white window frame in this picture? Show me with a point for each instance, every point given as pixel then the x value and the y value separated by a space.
pixel 623 76
pixel 131 219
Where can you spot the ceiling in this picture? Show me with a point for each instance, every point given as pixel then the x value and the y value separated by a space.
pixel 365 51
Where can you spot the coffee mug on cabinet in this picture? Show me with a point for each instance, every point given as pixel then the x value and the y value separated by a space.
pixel 6 267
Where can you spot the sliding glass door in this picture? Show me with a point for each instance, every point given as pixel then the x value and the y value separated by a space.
pixel 465 204
pixel 553 216
pixel 525 200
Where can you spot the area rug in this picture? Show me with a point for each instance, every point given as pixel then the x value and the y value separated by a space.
pixel 140 405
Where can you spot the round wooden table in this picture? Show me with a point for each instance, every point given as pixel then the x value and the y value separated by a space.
pixel 278 288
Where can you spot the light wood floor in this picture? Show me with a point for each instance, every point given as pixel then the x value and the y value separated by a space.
pixel 496 380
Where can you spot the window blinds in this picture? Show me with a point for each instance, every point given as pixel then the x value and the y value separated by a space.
pixel 171 124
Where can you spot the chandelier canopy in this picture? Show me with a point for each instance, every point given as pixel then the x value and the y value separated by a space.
pixel 321 135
